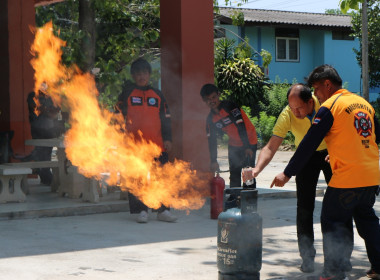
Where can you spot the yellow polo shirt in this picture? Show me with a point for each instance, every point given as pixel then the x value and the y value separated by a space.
pixel 287 121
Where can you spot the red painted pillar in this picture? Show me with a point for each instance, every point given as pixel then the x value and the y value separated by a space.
pixel 187 62
pixel 16 79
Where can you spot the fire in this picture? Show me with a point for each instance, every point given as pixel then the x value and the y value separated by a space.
pixel 95 142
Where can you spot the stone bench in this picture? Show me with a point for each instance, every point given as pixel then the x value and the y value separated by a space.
pixel 38 164
pixel 11 178
pixel 75 185
pixel 71 183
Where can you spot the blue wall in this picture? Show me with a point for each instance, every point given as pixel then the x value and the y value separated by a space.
pixel 340 54
pixel 316 48
pixel 374 93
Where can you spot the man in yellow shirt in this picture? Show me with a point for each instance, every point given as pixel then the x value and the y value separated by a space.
pixel 348 124
pixel 297 118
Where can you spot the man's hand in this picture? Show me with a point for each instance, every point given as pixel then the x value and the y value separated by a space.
pixel 255 172
pixel 327 158
pixel 280 180
pixel 214 166
pixel 249 175
pixel 167 146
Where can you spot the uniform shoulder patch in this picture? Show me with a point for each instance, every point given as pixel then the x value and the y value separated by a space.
pixel 136 100
pixel 236 112
pixel 152 101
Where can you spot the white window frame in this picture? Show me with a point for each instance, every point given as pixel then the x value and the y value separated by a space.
pixel 287 39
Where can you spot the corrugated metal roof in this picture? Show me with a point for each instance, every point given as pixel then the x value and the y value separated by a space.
pixel 291 18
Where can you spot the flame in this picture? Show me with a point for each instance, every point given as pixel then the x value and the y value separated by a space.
pixel 97 141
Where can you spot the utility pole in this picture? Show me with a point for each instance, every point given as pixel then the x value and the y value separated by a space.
pixel 365 51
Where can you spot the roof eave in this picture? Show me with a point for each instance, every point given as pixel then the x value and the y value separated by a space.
pixel 300 26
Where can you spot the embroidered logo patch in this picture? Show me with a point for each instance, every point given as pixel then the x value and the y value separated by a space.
pixel 136 100
pixel 152 101
pixel 316 120
pixel 219 125
pixel 363 124
pixel 236 112
pixel 226 121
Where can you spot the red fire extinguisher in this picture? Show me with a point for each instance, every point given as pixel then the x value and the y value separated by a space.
pixel 217 188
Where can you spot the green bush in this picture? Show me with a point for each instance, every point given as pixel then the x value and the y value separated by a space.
pixel 224 51
pixel 264 127
pixel 237 75
pixel 242 81
pixel 289 140
pixel 274 99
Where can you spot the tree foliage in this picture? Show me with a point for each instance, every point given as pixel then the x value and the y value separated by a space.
pixel 264 124
pixel 237 74
pixel 242 81
pixel 266 57
pixel 275 99
pixel 345 5
pixel 334 12
pixel 373 40
pixel 125 30
pixel 224 50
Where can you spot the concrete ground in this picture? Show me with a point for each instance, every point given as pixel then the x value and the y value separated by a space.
pixel 69 243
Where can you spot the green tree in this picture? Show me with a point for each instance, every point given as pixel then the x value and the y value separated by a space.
pixel 107 35
pixel 224 51
pixel 373 40
pixel 345 5
pixel 237 75
pixel 334 12
pixel 124 30
pixel 227 3
pixel 242 81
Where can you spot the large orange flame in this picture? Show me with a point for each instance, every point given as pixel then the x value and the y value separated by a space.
pixel 95 142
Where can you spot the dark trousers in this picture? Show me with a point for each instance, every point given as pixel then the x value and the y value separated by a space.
pixel 338 209
pixel 306 182
pixel 41 129
pixel 43 154
pixel 237 160
pixel 135 205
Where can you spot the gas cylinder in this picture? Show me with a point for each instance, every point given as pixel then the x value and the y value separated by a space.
pixel 239 254
pixel 217 185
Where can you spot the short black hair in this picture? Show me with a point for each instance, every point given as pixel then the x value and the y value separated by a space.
pixel 140 65
pixel 208 89
pixel 305 93
pixel 324 72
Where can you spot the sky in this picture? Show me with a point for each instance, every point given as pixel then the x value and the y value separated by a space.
pixel 311 6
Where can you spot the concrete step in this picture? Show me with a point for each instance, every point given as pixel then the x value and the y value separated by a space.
pixel 41 202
